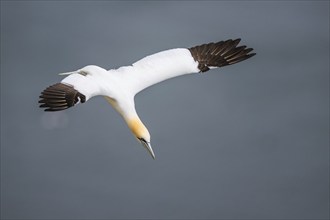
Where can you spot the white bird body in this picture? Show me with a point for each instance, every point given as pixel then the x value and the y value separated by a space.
pixel 124 83
pixel 119 86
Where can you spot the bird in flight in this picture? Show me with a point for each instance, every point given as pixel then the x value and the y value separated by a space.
pixel 119 86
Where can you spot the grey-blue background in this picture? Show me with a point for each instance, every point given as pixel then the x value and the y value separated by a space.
pixel 247 141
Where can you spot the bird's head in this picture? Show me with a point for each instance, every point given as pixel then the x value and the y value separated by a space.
pixel 142 134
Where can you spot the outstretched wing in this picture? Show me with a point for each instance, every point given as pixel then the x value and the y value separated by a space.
pixel 75 88
pixel 176 62
pixel 59 97
pixel 78 87
pixel 220 54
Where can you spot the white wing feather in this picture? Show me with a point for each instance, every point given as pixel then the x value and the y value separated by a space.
pixel 156 68
pixel 86 85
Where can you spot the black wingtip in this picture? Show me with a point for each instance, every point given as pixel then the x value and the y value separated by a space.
pixel 59 97
pixel 220 54
pixel 236 41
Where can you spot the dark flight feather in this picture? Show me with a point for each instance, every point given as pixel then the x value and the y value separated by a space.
pixel 59 97
pixel 219 54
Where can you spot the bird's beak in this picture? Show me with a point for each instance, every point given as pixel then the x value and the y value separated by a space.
pixel 149 148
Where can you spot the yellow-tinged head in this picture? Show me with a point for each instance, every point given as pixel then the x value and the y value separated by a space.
pixel 134 123
pixel 141 133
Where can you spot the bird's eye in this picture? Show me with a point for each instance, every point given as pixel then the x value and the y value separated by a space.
pixel 143 140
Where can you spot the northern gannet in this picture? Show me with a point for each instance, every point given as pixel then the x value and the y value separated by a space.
pixel 119 86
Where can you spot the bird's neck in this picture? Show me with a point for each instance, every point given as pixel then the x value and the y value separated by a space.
pixel 131 118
